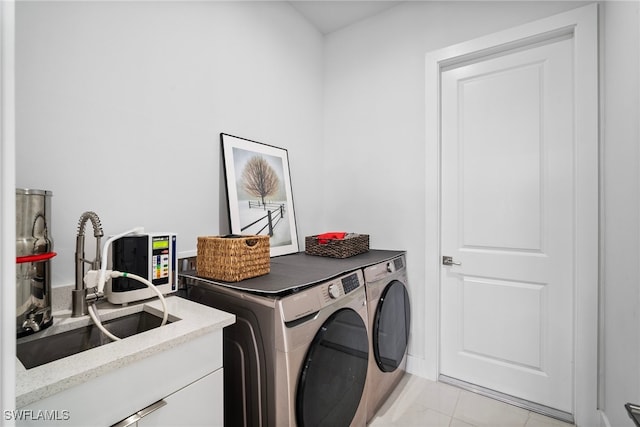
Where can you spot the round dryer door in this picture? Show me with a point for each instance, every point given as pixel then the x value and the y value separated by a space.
pixel 333 375
pixel 391 326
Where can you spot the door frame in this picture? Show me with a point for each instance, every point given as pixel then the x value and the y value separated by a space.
pixel 7 206
pixel 582 25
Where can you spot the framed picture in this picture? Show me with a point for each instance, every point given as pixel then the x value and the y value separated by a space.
pixel 259 192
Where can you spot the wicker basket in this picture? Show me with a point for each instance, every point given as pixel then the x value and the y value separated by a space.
pixel 234 258
pixel 338 248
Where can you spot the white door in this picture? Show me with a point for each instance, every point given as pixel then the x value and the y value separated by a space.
pixel 508 149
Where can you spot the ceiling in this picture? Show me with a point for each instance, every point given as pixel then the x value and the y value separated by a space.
pixel 331 15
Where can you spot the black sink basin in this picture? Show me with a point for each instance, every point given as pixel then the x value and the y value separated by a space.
pixel 47 349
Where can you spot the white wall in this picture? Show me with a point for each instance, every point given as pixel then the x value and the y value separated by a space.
pixel 620 116
pixel 120 106
pixel 374 144
pixel 375 127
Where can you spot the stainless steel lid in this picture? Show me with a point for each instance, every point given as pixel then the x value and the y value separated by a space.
pixel 32 191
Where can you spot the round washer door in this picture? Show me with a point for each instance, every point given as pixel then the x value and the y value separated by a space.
pixel 391 326
pixel 334 371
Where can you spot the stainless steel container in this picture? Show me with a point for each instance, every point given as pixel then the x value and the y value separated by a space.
pixel 34 251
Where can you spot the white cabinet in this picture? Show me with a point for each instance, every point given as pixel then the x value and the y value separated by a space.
pixel 188 377
pixel 198 404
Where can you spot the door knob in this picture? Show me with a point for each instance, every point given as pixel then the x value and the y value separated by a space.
pixel 447 260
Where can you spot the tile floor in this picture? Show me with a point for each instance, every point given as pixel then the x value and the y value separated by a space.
pixel 420 402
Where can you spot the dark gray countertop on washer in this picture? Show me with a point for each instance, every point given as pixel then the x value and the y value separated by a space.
pixel 296 271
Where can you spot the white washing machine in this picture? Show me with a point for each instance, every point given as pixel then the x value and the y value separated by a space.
pixel 296 358
pixel 389 324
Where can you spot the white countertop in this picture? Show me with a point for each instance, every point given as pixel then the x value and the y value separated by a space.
pixel 45 380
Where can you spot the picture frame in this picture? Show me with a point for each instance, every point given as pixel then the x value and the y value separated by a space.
pixel 259 194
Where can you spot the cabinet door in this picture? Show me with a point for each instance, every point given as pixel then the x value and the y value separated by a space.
pixel 198 404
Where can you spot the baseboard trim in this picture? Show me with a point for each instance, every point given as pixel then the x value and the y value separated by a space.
pixel 418 366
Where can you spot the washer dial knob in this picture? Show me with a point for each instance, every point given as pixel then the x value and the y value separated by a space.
pixel 334 291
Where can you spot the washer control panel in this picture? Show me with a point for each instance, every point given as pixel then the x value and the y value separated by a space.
pixel 317 297
pixel 350 283
pixel 342 286
pixel 384 269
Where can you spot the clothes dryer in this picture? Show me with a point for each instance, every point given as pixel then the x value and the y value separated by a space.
pixel 294 359
pixel 389 316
